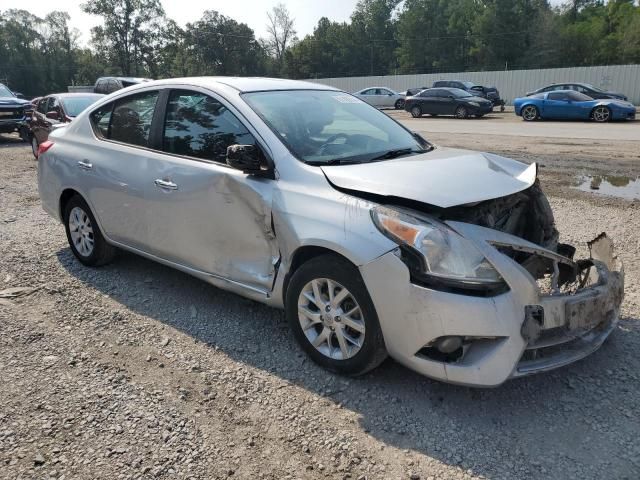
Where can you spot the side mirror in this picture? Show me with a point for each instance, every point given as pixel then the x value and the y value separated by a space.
pixel 246 158
pixel 53 115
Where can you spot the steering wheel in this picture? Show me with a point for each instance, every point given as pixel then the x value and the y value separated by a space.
pixel 332 139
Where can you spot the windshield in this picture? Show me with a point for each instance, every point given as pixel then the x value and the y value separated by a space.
pixel 469 84
pixel 459 93
pixel 327 127
pixel 579 97
pixel 5 92
pixel 588 85
pixel 73 106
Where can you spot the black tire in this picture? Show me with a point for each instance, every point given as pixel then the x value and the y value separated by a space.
pixel 34 146
pixel 530 113
pixel 102 252
pixel 461 112
pixel 372 351
pixel 416 111
pixel 399 104
pixel 601 114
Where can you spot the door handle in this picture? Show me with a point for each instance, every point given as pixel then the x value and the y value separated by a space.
pixel 165 184
pixel 85 165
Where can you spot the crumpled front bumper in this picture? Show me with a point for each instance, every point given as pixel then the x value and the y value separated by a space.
pixel 516 333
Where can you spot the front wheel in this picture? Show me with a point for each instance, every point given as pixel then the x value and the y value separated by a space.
pixel 530 113
pixel 333 318
pixel 34 146
pixel 416 111
pixel 399 104
pixel 461 112
pixel 601 114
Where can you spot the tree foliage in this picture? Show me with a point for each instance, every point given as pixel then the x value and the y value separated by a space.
pixel 43 55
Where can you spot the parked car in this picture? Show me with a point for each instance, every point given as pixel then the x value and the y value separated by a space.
pixel 381 97
pixel 372 240
pixel 490 93
pixel 586 88
pixel 107 85
pixel 14 112
pixel 54 111
pixel 572 105
pixel 447 101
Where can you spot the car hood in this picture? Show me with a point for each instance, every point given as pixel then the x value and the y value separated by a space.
pixel 13 102
pixel 619 103
pixel 443 177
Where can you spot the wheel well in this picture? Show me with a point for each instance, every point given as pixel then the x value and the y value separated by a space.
pixel 64 198
pixel 303 255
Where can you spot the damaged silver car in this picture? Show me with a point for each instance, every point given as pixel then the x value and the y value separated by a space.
pixel 373 240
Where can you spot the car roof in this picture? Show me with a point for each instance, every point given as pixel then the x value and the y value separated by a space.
pixel 127 79
pixel 244 84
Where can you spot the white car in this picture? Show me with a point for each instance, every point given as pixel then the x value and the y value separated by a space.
pixel 381 97
pixel 372 240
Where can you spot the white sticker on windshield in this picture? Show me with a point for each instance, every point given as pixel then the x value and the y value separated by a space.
pixel 346 99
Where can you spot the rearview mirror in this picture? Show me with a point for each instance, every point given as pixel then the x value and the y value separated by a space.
pixel 246 158
pixel 53 115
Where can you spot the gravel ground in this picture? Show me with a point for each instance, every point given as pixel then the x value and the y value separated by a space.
pixel 135 370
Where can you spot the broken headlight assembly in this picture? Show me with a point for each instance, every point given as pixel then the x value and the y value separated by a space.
pixel 437 256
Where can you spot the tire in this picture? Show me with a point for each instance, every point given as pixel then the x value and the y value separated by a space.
pixel 530 113
pixel 416 111
pixel 325 322
pixel 34 146
pixel 79 222
pixel 601 114
pixel 461 112
pixel 399 104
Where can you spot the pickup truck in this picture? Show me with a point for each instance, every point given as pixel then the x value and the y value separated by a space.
pixel 14 113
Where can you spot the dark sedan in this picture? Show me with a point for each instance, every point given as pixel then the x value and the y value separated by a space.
pixel 447 101
pixel 585 88
pixel 56 110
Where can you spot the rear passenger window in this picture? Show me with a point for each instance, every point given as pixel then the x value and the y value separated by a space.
pixel 131 119
pixel 100 119
pixel 198 126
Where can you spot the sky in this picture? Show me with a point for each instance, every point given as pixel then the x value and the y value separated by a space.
pixel 305 13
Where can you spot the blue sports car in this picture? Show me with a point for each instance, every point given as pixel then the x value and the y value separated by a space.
pixel 572 105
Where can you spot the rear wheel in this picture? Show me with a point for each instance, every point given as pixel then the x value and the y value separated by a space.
pixel 461 112
pixel 332 316
pixel 399 104
pixel 530 113
pixel 601 114
pixel 34 145
pixel 416 111
pixel 84 235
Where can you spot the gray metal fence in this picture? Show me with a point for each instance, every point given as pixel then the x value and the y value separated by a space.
pixel 511 83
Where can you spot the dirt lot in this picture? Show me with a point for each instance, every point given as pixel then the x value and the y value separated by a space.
pixel 138 371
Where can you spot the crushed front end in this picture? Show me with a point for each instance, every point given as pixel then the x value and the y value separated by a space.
pixel 552 310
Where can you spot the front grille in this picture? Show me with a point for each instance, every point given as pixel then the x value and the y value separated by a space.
pixel 11 114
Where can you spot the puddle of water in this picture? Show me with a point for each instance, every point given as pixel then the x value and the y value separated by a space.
pixel 612 185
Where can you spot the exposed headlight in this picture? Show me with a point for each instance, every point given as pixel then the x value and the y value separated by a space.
pixel 475 104
pixel 442 253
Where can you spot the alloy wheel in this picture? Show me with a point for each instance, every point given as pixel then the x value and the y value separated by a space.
pixel 601 114
pixel 461 112
pixel 529 113
pixel 416 112
pixel 331 319
pixel 81 231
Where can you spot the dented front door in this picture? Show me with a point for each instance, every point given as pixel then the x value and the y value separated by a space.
pixel 211 218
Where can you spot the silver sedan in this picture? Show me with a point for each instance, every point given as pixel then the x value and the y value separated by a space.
pixel 372 240
pixel 381 97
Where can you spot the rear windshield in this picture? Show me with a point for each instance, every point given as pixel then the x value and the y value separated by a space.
pixel 73 106
pixel 5 92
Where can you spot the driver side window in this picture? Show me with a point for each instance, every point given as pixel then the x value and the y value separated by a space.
pixel 199 126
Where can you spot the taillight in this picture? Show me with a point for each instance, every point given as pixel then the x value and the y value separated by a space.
pixel 43 147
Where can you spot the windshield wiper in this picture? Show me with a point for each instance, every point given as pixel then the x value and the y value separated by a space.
pixel 396 153
pixel 333 161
